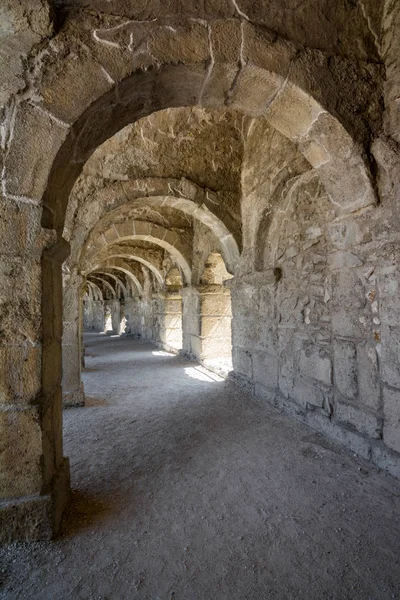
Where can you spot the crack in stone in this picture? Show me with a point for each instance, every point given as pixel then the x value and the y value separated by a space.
pixel 210 66
pixel 369 25
pixel 240 12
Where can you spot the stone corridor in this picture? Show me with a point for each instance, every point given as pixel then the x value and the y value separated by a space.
pixel 184 488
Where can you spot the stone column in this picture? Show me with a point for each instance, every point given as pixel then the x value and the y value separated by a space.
pixel 190 321
pixel 34 475
pixel 72 349
pixel 123 320
pixel 168 320
pixel 115 315
pixel 207 322
pixel 98 315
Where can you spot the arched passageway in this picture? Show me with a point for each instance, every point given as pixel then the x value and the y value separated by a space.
pixel 224 186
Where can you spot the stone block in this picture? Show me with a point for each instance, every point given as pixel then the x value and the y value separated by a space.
pixel 363 421
pixel 110 235
pixel 20 229
pixel 33 147
pixel 172 321
pixel 368 375
pixel 173 306
pixel 69 93
pixel 314 362
pixel 20 452
pixel 265 369
pixel 391 423
pixel 390 355
pixel 254 89
pixel 293 112
pixel 215 304
pixel 389 296
pixel 218 85
pixel 351 323
pixel 343 259
pixel 187 45
pixel 20 374
pixel 347 290
pixel 26 520
pixel 216 347
pixel 242 362
pixel 306 393
pixel 345 368
pixel 216 326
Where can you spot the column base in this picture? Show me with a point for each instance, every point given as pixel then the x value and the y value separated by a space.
pixel 74 397
pixel 36 517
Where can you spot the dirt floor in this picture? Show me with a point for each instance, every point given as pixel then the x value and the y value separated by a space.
pixel 184 489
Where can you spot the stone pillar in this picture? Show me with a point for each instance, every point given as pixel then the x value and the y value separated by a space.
pixel 123 320
pixel 190 321
pixel 98 315
pixel 168 320
pixel 207 320
pixel 34 475
pixel 115 315
pixel 88 314
pixel 72 349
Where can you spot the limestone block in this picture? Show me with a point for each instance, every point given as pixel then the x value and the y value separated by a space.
pixel 172 306
pixel 215 347
pixel 180 44
pixel 293 112
pixel 173 321
pixel 20 229
pixel 173 338
pixel 390 355
pixel 71 367
pixel 20 452
pixel 363 421
pixel 215 304
pixel 20 374
pixel 343 259
pixel 253 90
pixel 345 368
pixel 389 297
pixel 391 423
pixel 215 326
pixel 191 323
pixel 265 369
pixel 347 290
pixel 125 229
pixel 348 233
pixel 111 235
pixel 26 519
pixel 226 40
pixel 72 81
pixel 264 50
pixel 196 346
pixel 20 300
pixel 218 85
pixel 313 362
pixel 306 393
pixel 368 375
pixel 32 149
pixel 351 323
pixel 242 362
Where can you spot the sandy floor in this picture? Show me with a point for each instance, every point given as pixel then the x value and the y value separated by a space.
pixel 184 489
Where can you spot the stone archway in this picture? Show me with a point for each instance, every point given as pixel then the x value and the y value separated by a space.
pixel 82 105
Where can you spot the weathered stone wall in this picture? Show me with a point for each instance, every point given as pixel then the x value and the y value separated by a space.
pixel 315 317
